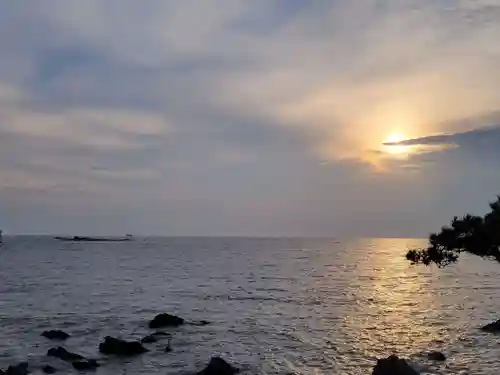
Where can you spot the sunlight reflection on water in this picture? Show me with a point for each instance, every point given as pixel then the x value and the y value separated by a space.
pixel 307 306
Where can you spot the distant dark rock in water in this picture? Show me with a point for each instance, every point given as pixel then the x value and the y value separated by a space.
pixel 436 356
pixel 55 335
pixel 120 347
pixel 149 339
pixel 393 365
pixel 20 369
pixel 48 369
pixel 492 327
pixel 87 364
pixel 64 355
pixel 217 366
pixel 168 349
pixel 166 320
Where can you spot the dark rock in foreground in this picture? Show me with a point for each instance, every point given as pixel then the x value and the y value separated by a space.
pixel 49 369
pixel 64 355
pixel 217 366
pixel 393 366
pixel 55 335
pixel 166 320
pixel 492 327
pixel 88 364
pixel 436 356
pixel 120 347
pixel 149 339
pixel 20 369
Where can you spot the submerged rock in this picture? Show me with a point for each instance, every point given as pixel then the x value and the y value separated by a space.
pixel 200 323
pixel 48 369
pixel 166 320
pixel 436 356
pixel 492 327
pixel 55 335
pixel 64 355
pixel 217 366
pixel 120 347
pixel 149 339
pixel 161 334
pixel 88 364
pixel 393 365
pixel 20 369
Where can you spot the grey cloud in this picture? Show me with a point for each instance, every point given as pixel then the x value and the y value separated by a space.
pixel 226 159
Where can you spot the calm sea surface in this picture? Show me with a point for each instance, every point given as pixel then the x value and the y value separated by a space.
pixel 277 306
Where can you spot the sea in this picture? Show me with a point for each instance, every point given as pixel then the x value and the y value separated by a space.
pixel 311 306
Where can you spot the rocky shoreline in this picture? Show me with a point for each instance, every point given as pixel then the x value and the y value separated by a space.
pixel 120 348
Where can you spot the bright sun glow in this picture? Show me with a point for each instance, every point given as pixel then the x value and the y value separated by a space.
pixel 395 137
pixel 396 150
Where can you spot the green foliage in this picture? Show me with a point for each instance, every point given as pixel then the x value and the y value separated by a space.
pixel 478 235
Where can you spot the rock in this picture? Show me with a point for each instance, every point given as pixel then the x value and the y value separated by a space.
pixel 217 366
pixel 492 327
pixel 64 355
pixel 55 335
pixel 149 339
pixel 161 334
pixel 200 323
pixel 393 366
pixel 168 349
pixel 120 347
pixel 166 320
pixel 88 364
pixel 436 356
pixel 20 369
pixel 49 369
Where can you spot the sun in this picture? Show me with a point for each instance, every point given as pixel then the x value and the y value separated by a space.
pixel 395 149
pixel 394 137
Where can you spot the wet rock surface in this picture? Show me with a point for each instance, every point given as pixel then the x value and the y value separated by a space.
pixel 55 335
pixel 119 347
pixel 436 356
pixel 218 366
pixel 64 355
pixel 393 365
pixel 87 364
pixel 166 320
pixel 48 369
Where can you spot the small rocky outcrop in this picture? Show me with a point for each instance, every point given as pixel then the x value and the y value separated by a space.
pixel 87 364
pixel 120 347
pixel 436 356
pixel 64 355
pixel 217 366
pixel 149 339
pixel 165 320
pixel 55 335
pixel 48 369
pixel 393 365
pixel 20 369
pixel 492 327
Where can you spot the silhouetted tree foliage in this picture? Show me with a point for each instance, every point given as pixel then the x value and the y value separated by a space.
pixel 478 235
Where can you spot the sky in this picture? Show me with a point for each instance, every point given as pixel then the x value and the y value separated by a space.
pixel 247 117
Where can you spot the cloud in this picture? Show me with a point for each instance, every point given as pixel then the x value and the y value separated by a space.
pixel 238 114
